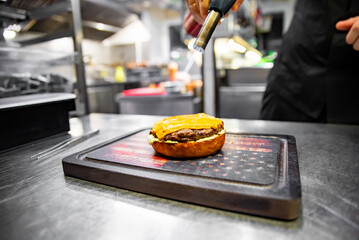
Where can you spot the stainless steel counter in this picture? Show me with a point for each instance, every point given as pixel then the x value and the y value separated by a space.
pixel 38 202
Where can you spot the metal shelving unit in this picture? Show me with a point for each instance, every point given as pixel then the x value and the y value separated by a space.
pixel 15 59
pixel 20 60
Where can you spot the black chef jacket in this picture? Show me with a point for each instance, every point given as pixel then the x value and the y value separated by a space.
pixel 316 75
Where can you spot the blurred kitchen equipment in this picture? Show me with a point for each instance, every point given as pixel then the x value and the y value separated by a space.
pixel 25 83
pixel 245 87
pixel 247 99
pixel 160 104
pixel 217 9
pixel 177 87
pixel 144 74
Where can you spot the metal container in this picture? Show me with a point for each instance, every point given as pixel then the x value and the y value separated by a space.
pixel 31 117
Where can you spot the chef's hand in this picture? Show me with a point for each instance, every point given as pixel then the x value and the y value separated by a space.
pixel 351 24
pixel 199 8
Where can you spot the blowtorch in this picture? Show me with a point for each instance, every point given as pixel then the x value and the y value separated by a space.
pixel 217 9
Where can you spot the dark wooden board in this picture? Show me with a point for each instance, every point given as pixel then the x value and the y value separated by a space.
pixel 255 174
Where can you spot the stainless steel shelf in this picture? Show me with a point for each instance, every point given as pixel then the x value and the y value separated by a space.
pixel 21 60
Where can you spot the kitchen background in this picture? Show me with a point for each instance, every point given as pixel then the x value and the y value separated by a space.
pixel 135 57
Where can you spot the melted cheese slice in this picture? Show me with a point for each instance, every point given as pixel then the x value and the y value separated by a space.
pixel 192 121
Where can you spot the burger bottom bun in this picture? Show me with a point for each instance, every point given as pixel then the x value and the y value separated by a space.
pixel 190 149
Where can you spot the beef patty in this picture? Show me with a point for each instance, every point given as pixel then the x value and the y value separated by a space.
pixel 185 135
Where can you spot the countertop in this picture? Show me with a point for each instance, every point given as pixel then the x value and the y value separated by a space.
pixel 38 202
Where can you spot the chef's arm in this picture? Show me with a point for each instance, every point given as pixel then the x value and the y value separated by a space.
pixel 351 25
pixel 199 8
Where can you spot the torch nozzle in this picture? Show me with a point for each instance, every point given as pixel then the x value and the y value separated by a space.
pixel 206 31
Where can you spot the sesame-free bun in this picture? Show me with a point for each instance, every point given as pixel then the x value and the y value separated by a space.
pixel 191 149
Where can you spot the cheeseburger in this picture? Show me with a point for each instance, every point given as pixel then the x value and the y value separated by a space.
pixel 187 136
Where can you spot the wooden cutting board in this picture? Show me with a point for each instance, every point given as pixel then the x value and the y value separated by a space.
pixel 253 173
